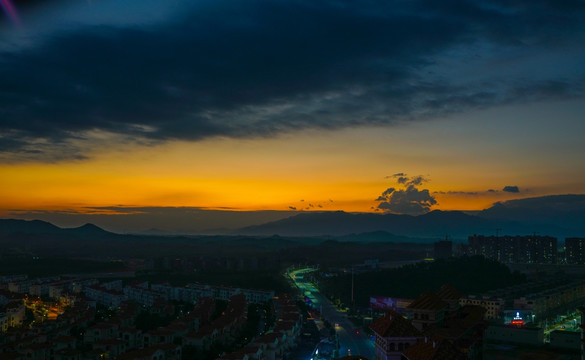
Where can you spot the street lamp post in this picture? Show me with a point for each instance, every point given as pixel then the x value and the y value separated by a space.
pixel 352 285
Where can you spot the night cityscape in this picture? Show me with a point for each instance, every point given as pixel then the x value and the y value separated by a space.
pixel 292 180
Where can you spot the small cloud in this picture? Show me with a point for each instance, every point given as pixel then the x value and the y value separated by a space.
pixel 492 191
pixel 409 200
pixel 470 193
pixel 511 189
pixel 394 176
pixel 417 180
pixel 292 207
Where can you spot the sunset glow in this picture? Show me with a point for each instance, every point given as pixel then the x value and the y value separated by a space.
pixel 169 105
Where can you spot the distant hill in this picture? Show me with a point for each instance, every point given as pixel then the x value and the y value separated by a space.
pixel 22 238
pixel 566 212
pixel 89 230
pixel 435 224
pixel 38 227
pixel 11 226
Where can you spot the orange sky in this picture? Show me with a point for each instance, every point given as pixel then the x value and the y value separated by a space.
pixel 291 106
pixel 339 170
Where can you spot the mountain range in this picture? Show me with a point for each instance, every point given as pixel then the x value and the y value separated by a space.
pixel 559 215
pixel 39 227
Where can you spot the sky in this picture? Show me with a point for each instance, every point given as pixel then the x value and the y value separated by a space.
pixel 111 107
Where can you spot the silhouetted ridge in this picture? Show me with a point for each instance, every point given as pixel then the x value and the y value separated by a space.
pixel 338 223
pixel 38 227
pixel 562 211
pixel 88 229
pixel 435 224
pixel 10 226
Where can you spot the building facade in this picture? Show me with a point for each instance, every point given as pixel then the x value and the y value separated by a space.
pixel 575 251
pixel 532 249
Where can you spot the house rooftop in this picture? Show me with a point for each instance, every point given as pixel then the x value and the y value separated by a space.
pixel 393 324
pixel 449 292
pixel 428 301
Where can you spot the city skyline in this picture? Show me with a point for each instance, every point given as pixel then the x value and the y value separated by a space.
pixel 278 106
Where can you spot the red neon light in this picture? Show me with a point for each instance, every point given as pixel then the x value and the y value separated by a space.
pixel 517 322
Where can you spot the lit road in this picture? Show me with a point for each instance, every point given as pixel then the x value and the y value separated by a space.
pixel 351 339
pixel 570 323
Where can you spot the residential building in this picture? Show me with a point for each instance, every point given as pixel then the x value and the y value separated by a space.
pixel 226 292
pixel 143 295
pixel 494 306
pixel 12 315
pixel 394 333
pixel 532 249
pixel 102 295
pixel 575 251
pixel 498 333
pixel 434 323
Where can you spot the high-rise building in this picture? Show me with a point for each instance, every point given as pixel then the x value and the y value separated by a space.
pixel 515 249
pixel 575 251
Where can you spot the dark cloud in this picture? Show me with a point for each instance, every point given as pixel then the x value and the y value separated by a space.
pixel 511 189
pixel 409 199
pixel 404 179
pixel 469 193
pixel 559 203
pixel 394 176
pixel 259 68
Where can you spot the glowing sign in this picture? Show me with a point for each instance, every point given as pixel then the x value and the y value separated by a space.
pixel 517 320
pixel 383 303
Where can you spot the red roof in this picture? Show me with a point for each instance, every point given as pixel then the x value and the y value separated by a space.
pixel 393 324
pixel 428 301
pixel 449 292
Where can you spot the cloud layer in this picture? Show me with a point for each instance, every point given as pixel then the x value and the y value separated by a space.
pixel 259 68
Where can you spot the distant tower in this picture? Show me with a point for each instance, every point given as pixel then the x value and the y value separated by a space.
pixel 443 249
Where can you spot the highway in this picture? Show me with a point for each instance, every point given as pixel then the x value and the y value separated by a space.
pixel 352 340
